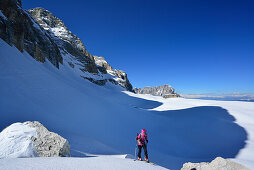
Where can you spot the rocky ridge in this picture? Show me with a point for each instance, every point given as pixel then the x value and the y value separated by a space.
pixel 65 39
pixel 72 45
pixel 120 76
pixel 45 37
pixel 165 91
pixel 18 28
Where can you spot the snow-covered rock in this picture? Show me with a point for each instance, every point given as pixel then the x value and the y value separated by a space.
pixel 56 26
pixel 49 144
pixel 217 164
pixel 102 62
pixel 118 75
pixel 165 91
pixel 31 139
pixel 16 141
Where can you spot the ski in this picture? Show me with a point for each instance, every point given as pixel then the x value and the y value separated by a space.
pixel 145 161
pixel 151 163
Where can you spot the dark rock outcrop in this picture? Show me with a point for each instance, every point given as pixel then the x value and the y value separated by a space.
pixel 121 79
pixel 165 91
pixel 65 39
pixel 18 28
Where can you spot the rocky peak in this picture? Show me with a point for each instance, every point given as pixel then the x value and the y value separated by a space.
pixel 18 28
pixel 56 26
pixel 123 79
pixel 46 18
pixel 102 62
pixel 165 91
pixel 121 76
pixel 65 39
pixel 74 46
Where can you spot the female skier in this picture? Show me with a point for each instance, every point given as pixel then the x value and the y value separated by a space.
pixel 142 141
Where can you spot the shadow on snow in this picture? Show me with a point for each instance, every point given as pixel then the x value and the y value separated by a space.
pixel 198 134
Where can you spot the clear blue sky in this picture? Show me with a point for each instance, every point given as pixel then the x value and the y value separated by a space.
pixel 195 46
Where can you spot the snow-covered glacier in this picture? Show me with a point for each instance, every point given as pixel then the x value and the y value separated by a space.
pixel 105 119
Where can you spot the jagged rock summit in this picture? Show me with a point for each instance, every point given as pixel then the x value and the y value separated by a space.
pixel 165 91
pixel 31 139
pixel 65 39
pixel 45 37
pixel 218 163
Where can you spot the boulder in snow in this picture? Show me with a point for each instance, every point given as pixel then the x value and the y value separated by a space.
pixel 217 164
pixel 15 141
pixel 31 139
pixel 49 144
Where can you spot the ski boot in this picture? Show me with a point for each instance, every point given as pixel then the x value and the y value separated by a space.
pixel 139 159
pixel 146 159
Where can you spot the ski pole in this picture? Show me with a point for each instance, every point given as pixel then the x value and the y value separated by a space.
pixel 136 148
pixel 135 151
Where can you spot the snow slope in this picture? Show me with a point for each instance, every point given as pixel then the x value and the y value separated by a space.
pixel 100 162
pixel 104 119
pixel 243 113
pixel 15 141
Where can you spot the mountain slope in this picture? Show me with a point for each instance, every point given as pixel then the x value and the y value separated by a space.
pixel 104 120
pixel 70 45
pixel 47 38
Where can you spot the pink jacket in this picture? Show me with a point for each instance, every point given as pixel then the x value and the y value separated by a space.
pixel 142 137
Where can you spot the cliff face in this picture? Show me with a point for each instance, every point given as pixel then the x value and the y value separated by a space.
pixel 17 27
pixel 65 39
pixel 121 76
pixel 45 37
pixel 165 91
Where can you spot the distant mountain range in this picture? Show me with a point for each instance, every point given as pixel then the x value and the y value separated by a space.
pixel 165 91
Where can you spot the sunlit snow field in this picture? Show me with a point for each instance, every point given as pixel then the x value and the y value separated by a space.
pixel 104 120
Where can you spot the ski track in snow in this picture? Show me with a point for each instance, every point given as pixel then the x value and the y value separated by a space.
pixel 103 120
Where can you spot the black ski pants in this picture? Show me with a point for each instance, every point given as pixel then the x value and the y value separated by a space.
pixel 145 150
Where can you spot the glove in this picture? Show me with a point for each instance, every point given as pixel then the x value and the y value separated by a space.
pixel 146 141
